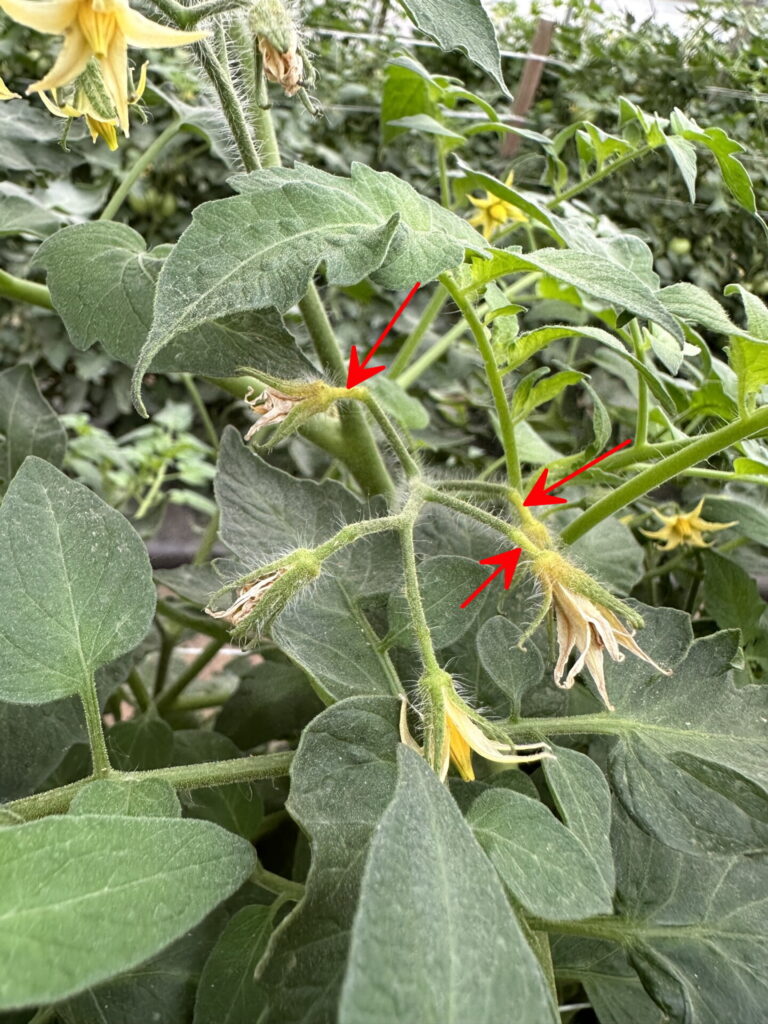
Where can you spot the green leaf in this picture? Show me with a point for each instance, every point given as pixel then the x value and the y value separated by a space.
pixel 409 89
pixel 78 588
pixel 262 248
pixel 593 274
pixel 611 554
pixel 266 512
pixel 722 148
pixel 140 744
pixel 731 596
pixel 406 409
pixel 444 581
pixel 683 153
pixel 273 701
pixel 583 800
pixel 540 861
pixel 460 25
pixel 228 993
pixel 428 902
pixel 688 762
pixel 530 397
pixel 611 984
pixel 28 425
pixel 689 302
pixel 513 670
pixel 327 631
pixel 162 988
pixel 754 307
pixel 22 214
pixel 342 780
pixel 134 798
pixel 426 124
pixel 695 928
pixel 84 897
pixel 749 361
pixel 102 282
pixel 33 740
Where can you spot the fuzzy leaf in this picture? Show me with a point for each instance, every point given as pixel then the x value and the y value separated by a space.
pixel 428 902
pixel 28 425
pixel 261 248
pixel 85 897
pixel 460 25
pixel 78 588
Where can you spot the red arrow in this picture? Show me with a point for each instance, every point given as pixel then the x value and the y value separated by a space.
pixel 358 372
pixel 507 563
pixel 539 493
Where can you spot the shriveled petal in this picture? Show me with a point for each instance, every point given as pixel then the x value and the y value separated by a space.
pixel 140 31
pixel 114 71
pixel 51 16
pixel 73 57
pixel 460 751
pixel 594 662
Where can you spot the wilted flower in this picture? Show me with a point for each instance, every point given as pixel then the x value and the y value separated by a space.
pixel 453 730
pixel 262 594
pixel 286 69
pixel 279 45
pixel 684 528
pixel 493 213
pixel 247 599
pixel 271 405
pixel 588 620
pixel 591 629
pixel 6 94
pixel 103 29
pixel 99 117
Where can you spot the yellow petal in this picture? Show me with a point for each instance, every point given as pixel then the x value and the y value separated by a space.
pixel 65 111
pixel 103 129
pixel 139 91
pixel 52 16
pixel 73 56
pixel 140 31
pixel 6 94
pixel 114 71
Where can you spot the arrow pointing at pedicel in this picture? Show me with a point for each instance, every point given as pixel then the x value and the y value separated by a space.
pixel 359 372
pixel 506 562
pixel 540 494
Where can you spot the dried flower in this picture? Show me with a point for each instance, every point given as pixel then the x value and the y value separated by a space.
pixel 286 69
pixel 453 730
pixel 493 213
pixel 684 528
pixel 591 629
pixel 263 593
pixel 271 405
pixel 103 29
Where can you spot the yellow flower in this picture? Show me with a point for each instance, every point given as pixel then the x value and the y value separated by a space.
pixel 103 29
pixel 6 94
pixel 99 123
pixel 592 630
pixel 492 212
pixel 684 528
pixel 456 730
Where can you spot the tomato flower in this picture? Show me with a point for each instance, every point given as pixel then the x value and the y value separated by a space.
pixel 103 29
pixel 493 213
pixel 684 528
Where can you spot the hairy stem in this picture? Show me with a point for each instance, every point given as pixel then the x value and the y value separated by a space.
pixel 486 518
pixel 407 461
pixel 506 426
pixel 192 671
pixel 187 776
pixel 98 745
pixel 230 104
